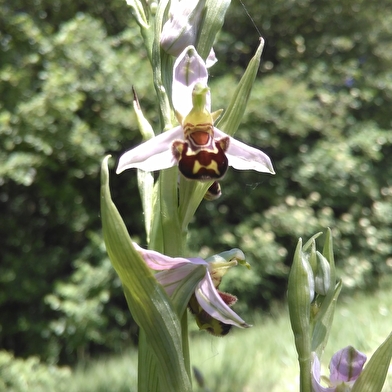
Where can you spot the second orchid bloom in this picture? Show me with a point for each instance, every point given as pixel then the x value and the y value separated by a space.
pixel 210 306
pixel 201 151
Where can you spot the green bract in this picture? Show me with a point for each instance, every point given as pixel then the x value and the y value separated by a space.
pixel 147 300
pixel 300 295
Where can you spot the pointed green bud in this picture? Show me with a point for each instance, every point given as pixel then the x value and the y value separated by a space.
pixel 323 308
pixel 322 279
pixel 139 13
pixel 145 127
pixel 300 294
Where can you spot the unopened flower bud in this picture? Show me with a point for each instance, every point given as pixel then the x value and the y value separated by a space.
pixel 300 295
pixel 182 28
pixel 322 279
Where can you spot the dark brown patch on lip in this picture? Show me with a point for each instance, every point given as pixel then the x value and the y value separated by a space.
pixel 205 164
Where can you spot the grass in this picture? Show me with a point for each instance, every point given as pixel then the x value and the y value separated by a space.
pixel 261 359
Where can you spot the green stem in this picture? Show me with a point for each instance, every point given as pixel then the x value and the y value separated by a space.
pixel 185 343
pixel 304 375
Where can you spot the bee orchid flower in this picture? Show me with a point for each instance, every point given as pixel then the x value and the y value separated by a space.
pixel 345 367
pixel 201 151
pixel 210 306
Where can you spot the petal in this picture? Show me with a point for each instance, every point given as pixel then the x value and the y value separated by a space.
pixel 209 299
pixel 243 157
pixel 211 59
pixel 154 154
pixel 346 365
pixel 316 376
pixel 189 69
pixel 159 262
pixel 171 278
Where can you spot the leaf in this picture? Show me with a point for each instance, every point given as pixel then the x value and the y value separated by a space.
pixel 148 302
pixel 323 324
pixel 232 116
pixel 215 11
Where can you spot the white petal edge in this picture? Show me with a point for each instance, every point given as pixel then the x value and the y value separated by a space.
pixel 209 299
pixel 154 154
pixel 159 262
pixel 211 59
pixel 244 157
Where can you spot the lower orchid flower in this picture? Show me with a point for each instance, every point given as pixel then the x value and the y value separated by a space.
pixel 202 151
pixel 345 367
pixel 210 306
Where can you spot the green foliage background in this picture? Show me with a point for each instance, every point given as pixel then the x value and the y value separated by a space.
pixel 321 109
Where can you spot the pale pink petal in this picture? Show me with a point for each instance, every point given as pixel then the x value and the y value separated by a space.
pixel 316 376
pixel 211 59
pixel 170 279
pixel 154 154
pixel 346 365
pixel 189 69
pixel 159 262
pixel 209 299
pixel 243 157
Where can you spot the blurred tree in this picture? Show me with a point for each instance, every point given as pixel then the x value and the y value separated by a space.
pixel 66 102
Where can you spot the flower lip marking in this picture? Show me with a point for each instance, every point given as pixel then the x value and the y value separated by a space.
pixel 199 137
pixel 200 156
